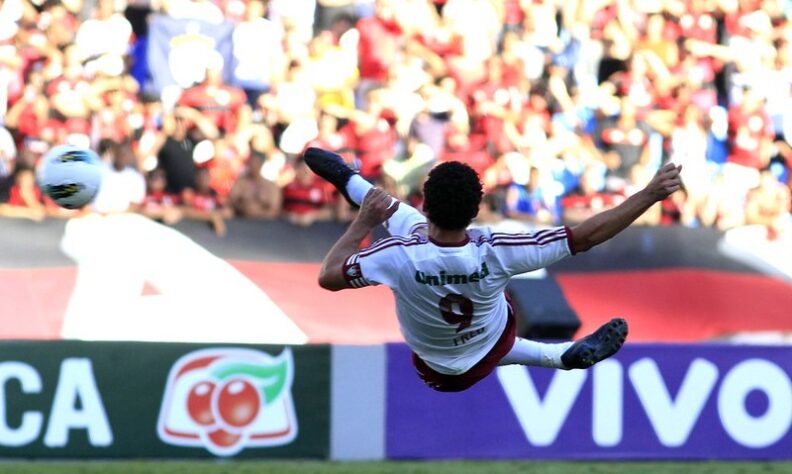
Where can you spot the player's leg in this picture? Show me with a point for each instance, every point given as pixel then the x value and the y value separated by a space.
pixel 353 187
pixel 541 354
pixel 581 354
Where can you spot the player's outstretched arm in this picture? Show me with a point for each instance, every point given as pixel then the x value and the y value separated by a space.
pixel 377 207
pixel 603 226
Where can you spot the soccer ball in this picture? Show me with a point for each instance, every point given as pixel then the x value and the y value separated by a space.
pixel 70 175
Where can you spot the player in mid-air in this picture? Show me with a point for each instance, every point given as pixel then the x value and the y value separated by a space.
pixel 449 280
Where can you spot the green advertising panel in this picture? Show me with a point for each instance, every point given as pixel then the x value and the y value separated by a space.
pixel 66 399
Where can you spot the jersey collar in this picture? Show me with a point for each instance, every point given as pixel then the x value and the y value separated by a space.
pixel 461 243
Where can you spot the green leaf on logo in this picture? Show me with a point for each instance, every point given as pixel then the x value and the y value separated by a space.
pixel 270 379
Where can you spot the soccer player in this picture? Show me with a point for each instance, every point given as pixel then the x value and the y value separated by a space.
pixel 449 280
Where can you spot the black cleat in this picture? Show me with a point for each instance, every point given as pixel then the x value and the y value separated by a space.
pixel 332 168
pixel 597 346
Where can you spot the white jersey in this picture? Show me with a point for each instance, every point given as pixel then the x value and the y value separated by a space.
pixel 449 298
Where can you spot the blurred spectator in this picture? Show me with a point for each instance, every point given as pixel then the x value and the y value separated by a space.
pixel 7 152
pixel 750 131
pixel 689 143
pixel 291 99
pixel 19 196
pixel 625 141
pixel 253 195
pixel 334 14
pixel 29 116
pixel 225 105
pixel 123 187
pixel 589 198
pixel 375 136
pixel 769 205
pixel 432 125
pixel 724 207
pixel 257 52
pixel 469 149
pixel 202 203
pixel 205 10
pixel 478 23
pixel 331 136
pixel 68 91
pixel 158 204
pixel 333 72
pixel 527 201
pixel 298 15
pixel 378 48
pixel 307 198
pixel 589 97
pixel 175 145
pixel 104 40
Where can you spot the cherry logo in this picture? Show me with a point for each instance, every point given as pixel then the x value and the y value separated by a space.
pixel 199 403
pixel 224 410
pixel 238 403
pixel 229 399
pixel 223 438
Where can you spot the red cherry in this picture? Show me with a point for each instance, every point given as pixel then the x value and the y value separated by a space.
pixel 238 403
pixel 223 438
pixel 199 403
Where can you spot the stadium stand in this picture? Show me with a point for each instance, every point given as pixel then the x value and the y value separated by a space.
pixel 564 108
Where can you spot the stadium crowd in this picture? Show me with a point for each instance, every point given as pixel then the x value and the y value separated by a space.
pixel 564 107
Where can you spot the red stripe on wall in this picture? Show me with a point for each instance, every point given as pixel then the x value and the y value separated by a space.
pixel 364 316
pixel 679 304
pixel 33 301
pixel 660 305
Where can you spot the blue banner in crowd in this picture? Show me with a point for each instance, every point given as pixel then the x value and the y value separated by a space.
pixel 179 50
pixel 650 402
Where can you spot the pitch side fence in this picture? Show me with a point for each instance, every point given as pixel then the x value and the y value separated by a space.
pixel 69 399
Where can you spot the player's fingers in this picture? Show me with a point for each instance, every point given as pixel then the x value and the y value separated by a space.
pixel 375 195
pixel 673 189
pixel 384 199
pixel 384 202
pixel 392 209
pixel 670 172
pixel 666 168
pixel 371 194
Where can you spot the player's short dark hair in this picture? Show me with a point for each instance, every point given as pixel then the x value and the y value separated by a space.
pixel 452 195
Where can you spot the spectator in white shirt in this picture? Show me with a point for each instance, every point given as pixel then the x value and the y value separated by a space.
pixel 123 187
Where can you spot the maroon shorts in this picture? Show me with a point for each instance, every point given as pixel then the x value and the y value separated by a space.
pixel 457 383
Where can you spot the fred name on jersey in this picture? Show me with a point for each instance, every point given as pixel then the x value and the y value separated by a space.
pixel 451 279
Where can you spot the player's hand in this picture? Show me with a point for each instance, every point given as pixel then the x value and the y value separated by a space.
pixel 666 182
pixel 377 207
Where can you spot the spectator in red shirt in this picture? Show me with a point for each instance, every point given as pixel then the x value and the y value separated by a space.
pixel 224 104
pixel 22 197
pixel 375 137
pixel 469 149
pixel 202 203
pixel 307 198
pixel 28 116
pixel 750 131
pixel 158 203
pixel 378 48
